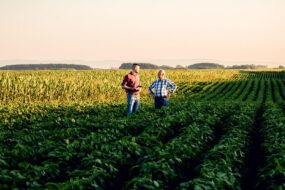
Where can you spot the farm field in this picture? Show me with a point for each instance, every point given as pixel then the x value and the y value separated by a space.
pixel 224 129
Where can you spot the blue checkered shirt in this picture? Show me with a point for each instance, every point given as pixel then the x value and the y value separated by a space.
pixel 162 87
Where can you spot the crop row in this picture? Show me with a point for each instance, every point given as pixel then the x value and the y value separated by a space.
pixel 272 172
pixel 201 145
pixel 260 75
pixel 223 165
pixel 73 147
pixel 271 90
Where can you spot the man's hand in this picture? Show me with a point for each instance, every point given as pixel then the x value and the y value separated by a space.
pixel 139 89
pixel 168 95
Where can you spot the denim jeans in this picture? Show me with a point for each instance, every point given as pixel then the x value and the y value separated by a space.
pixel 133 103
pixel 160 101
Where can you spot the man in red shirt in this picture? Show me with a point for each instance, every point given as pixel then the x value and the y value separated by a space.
pixel 131 84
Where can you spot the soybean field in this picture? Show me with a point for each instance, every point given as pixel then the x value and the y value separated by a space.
pixel 223 129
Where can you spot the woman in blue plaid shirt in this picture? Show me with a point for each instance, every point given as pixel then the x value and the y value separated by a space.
pixel 163 88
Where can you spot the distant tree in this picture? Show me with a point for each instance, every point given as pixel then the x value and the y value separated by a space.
pixel 281 67
pixel 142 66
pixel 179 67
pixel 206 66
pixel 50 66
pixel 248 66
pixel 166 67
pixel 145 66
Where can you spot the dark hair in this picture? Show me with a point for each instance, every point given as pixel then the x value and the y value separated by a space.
pixel 135 64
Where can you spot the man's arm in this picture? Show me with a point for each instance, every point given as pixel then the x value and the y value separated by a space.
pixel 125 82
pixel 150 88
pixel 173 87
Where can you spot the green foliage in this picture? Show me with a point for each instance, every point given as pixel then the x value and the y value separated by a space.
pixel 83 141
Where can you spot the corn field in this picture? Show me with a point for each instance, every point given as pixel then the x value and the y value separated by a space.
pixel 68 86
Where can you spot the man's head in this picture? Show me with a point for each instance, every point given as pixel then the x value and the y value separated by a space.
pixel 136 68
pixel 161 74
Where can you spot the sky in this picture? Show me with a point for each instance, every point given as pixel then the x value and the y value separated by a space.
pixel 98 31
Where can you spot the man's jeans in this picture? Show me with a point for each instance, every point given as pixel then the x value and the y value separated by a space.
pixel 160 101
pixel 133 103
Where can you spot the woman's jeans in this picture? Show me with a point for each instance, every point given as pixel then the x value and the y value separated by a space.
pixel 160 101
pixel 133 103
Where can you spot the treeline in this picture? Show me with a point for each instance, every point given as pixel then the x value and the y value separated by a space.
pixel 61 66
pixel 248 66
pixel 45 67
pixel 193 66
pixel 218 66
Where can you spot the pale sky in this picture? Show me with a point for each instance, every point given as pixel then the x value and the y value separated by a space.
pixel 233 30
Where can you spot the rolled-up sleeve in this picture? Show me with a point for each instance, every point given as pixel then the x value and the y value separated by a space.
pixel 125 80
pixel 173 86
